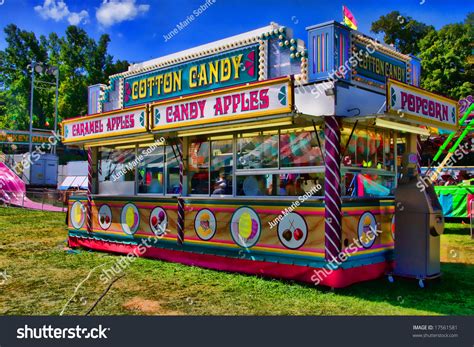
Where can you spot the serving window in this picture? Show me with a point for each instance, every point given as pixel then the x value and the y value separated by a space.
pixel 368 166
pixel 257 150
pixel 267 163
pixel 114 174
pixel 150 168
pixel 151 172
pixel 281 162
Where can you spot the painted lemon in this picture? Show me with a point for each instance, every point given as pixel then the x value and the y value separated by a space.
pixel 78 214
pixel 245 225
pixel 130 217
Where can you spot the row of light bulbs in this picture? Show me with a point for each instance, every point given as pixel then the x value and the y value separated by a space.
pixel 262 58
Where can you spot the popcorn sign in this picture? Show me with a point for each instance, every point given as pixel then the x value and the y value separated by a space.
pixel 419 106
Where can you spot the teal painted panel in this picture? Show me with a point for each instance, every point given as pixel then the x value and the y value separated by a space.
pixel 228 69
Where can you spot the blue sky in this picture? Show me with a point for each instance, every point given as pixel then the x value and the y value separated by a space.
pixel 137 27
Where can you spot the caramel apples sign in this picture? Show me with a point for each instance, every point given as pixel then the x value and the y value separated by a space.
pixel 128 121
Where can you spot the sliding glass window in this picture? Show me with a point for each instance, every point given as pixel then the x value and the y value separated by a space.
pixel 151 172
pixel 117 171
pixel 222 164
pixel 368 165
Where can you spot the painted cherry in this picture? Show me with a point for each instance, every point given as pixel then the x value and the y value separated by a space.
pixel 287 235
pixel 107 219
pixel 298 234
pixel 154 220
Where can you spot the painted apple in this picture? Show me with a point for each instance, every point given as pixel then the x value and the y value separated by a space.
pixel 161 216
pixel 298 234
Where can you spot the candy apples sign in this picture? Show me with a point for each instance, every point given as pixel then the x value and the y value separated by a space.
pixel 105 125
pixel 258 99
pixel 420 106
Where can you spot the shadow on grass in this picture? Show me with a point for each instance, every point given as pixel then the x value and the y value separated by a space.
pixel 450 295
pixel 458 226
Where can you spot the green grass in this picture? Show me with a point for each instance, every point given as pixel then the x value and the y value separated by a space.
pixel 42 276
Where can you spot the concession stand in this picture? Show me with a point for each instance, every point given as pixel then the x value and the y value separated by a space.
pixel 259 154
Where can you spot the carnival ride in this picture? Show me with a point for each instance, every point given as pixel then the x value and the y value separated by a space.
pixel 13 192
pixel 455 200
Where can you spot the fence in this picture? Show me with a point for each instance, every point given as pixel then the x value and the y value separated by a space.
pixel 42 200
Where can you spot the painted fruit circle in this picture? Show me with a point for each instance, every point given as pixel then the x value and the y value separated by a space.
pixel 245 227
pixel 367 229
pixel 292 231
pixel 105 217
pixel 78 215
pixel 205 224
pixel 158 221
pixel 130 219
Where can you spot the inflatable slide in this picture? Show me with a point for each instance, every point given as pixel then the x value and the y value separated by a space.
pixel 13 191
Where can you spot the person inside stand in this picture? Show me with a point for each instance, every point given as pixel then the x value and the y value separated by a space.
pixel 220 185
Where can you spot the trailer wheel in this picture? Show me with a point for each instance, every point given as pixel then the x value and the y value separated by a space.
pixel 391 279
pixel 421 283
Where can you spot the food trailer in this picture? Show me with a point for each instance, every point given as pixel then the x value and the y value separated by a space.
pixel 259 154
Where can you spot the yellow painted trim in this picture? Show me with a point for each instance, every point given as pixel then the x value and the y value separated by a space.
pixel 235 246
pixel 120 141
pixel 107 135
pixel 420 91
pixel 414 117
pixel 109 113
pixel 223 119
pixel 434 124
pixel 102 136
pixel 212 243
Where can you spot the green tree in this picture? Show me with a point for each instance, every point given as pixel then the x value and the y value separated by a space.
pixel 402 31
pixel 82 61
pixel 445 65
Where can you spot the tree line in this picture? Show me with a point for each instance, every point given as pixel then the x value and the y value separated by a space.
pixel 447 65
pixel 447 55
pixel 82 61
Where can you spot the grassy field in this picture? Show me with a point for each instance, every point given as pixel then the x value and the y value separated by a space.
pixel 39 275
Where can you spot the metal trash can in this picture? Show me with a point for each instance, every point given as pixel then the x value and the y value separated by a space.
pixel 419 222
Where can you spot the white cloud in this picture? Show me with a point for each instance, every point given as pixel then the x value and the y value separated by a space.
pixel 76 18
pixel 57 10
pixel 116 11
